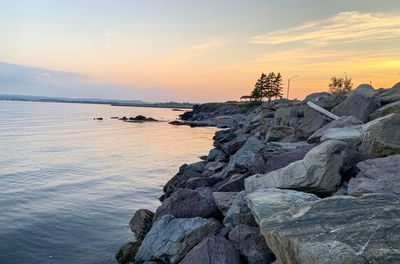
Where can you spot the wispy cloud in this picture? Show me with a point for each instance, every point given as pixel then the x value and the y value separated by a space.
pixel 344 27
pixel 195 51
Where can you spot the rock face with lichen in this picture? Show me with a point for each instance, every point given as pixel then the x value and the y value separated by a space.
pixel 337 230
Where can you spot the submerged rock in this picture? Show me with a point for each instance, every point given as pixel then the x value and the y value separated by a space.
pixel 340 229
pixel 213 250
pixel 380 175
pixel 171 238
pixel 141 223
pixel 317 172
pixel 251 245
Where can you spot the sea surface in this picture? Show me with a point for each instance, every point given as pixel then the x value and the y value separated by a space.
pixel 69 184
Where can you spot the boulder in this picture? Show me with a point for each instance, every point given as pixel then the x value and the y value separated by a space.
pixel 186 203
pixel 392 108
pixel 356 105
pixel 141 223
pixel 224 200
pixel 251 245
pixel 340 229
pixel 350 134
pixel 285 158
pixel 317 172
pixel 239 212
pixel 365 90
pixel 343 121
pixel 236 144
pixel 216 155
pixel 171 238
pixel 127 252
pixel 331 101
pixel 390 95
pixel 315 97
pixel 380 175
pixel 238 163
pixel 381 136
pixel 276 133
pixel 213 250
pixel 197 182
pixel 185 173
pixel 235 183
pixel 212 168
pixel 311 123
pixel 275 148
pixel 265 203
pixel 284 116
pixel 256 164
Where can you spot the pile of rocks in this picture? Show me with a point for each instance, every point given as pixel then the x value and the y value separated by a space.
pixel 287 184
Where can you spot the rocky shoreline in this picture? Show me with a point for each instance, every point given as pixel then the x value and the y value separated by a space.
pixel 284 184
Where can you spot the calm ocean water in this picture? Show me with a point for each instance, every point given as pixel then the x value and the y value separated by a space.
pixel 69 184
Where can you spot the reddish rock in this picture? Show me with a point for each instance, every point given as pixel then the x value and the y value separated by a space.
pixel 285 158
pixel 213 250
pixel 356 105
pixel 380 175
pixel 186 203
pixel 311 123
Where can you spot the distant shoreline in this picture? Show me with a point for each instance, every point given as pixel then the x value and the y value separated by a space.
pixel 105 102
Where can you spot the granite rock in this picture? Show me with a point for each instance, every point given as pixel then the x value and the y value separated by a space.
pixel 141 223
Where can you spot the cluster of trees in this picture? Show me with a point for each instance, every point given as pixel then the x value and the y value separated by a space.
pixel 339 84
pixel 268 86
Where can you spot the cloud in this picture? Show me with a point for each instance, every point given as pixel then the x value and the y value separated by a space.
pixel 195 51
pixel 344 27
pixel 27 80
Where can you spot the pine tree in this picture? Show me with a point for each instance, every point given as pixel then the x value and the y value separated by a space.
pixel 257 93
pixel 277 86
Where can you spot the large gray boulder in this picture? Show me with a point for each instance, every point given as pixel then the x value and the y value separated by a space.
pixel 141 223
pixel 238 163
pixel 391 95
pixel 275 148
pixel 356 105
pixel 392 108
pixel 343 121
pixel 251 245
pixel 187 203
pixel 381 136
pixel 317 172
pixel 171 238
pixel 349 134
pixel 224 200
pixel 326 100
pixel 265 203
pixel 213 250
pixel 340 229
pixel 380 175
pixel 239 212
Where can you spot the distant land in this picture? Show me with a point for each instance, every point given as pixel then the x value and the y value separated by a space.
pixel 113 102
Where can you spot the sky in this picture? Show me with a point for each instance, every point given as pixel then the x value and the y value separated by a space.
pixel 197 51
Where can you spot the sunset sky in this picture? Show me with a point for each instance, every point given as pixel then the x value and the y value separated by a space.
pixel 198 51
